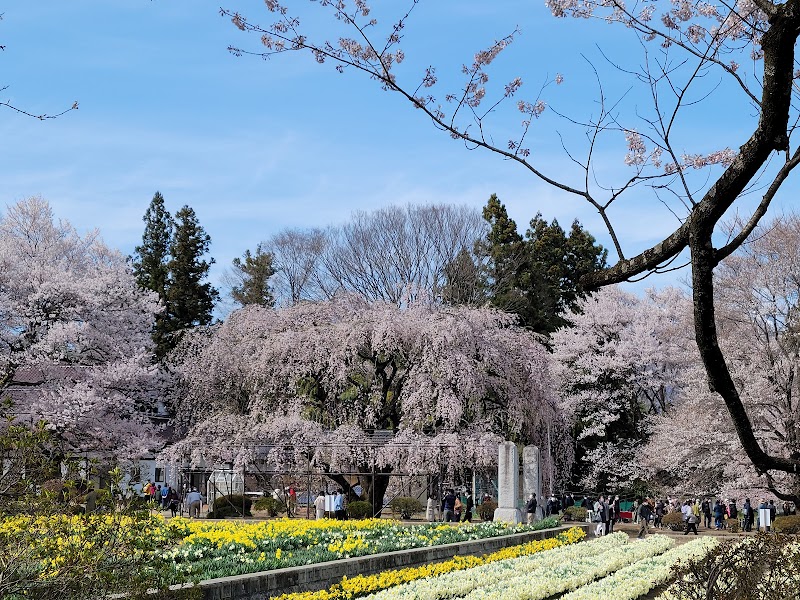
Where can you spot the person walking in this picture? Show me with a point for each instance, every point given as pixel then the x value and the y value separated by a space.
pixel 530 509
pixel 338 505
pixel 747 513
pixel 173 501
pixel 448 506
pixel 319 505
pixel 719 513
pixel 469 504
pixel 705 509
pixel 644 512
pixel 597 517
pixel 690 519
pixel 194 502
pixel 659 513
pixel 612 515
pixel 430 510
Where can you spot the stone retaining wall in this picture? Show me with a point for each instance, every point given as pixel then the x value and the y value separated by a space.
pixel 264 585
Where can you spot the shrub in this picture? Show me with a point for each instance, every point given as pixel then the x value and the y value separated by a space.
pixel 790 524
pixel 486 510
pixel 359 510
pixel 231 506
pixel 674 521
pixel 760 568
pixel 270 505
pixel 406 506
pixel 575 513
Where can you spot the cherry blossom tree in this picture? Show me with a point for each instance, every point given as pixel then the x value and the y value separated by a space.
pixel 622 361
pixel 74 335
pixel 322 381
pixel 758 289
pixel 691 57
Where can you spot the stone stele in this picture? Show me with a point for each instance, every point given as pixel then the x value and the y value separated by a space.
pixel 508 484
pixel 532 478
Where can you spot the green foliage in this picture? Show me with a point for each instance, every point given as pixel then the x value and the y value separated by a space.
pixel 763 567
pixel 269 504
pixel 234 505
pixel 788 524
pixel 170 262
pixel 190 302
pixel 575 513
pixel 27 461
pixel 359 510
pixel 251 274
pixel 150 263
pixel 486 510
pixel 150 259
pixel 537 277
pixel 67 539
pixel 406 506
pixel 674 521
pixel 546 523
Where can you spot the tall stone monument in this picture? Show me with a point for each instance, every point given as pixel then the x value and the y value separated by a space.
pixel 508 484
pixel 532 478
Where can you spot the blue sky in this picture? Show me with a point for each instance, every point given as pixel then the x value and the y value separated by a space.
pixel 255 146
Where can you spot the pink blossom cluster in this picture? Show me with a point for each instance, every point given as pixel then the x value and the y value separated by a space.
pixel 344 367
pixel 75 327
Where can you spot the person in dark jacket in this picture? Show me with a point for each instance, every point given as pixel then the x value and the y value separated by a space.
pixel 747 513
pixel 469 504
pixel 448 506
pixel 645 511
pixel 530 509
pixel 705 509
pixel 719 514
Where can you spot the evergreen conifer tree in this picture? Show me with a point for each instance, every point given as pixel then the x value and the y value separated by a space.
pixel 190 301
pixel 537 277
pixel 150 264
pixel 150 259
pixel 250 278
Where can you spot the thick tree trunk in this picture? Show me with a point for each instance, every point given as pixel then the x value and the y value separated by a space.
pixel 373 487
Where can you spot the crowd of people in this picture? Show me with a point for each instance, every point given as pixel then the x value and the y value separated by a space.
pixel 709 513
pixel 166 497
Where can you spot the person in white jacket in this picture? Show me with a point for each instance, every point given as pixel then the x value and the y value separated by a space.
pixel 319 505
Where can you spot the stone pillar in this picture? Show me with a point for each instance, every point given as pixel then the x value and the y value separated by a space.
pixel 532 478
pixel 508 484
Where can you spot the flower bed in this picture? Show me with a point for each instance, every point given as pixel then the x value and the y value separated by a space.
pixel 641 577
pixel 364 584
pixel 224 548
pixel 531 577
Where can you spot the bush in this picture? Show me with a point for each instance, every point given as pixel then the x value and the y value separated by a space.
pixel 486 510
pixel 406 506
pixel 575 513
pixel 674 521
pixel 270 505
pixel 359 510
pixel 760 568
pixel 790 524
pixel 231 506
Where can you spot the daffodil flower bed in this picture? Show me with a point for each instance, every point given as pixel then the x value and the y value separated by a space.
pixel 356 587
pixel 223 548
pixel 43 554
pixel 538 576
pixel 56 540
pixel 641 577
